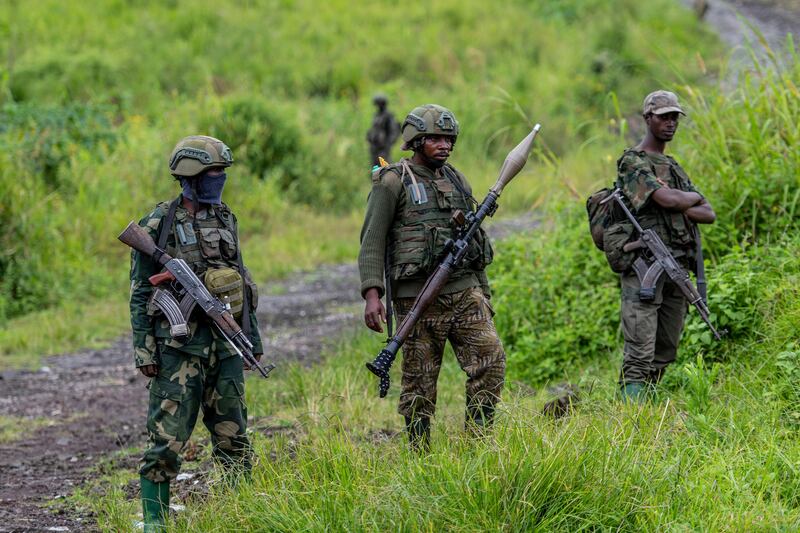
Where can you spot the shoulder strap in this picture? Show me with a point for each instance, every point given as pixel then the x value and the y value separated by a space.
pixel 450 174
pixel 166 226
pixel 240 264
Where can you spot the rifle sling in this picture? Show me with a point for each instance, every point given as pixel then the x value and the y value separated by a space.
pixel 166 226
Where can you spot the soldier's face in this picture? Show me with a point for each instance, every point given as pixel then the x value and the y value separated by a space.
pixel 663 127
pixel 437 148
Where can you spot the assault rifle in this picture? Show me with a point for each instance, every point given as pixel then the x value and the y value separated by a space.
pixel 455 250
pixel 657 260
pixel 195 293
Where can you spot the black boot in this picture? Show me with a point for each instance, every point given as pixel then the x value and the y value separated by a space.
pixel 419 433
pixel 478 420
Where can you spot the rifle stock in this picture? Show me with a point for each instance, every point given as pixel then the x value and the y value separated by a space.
pixel 138 239
pixel 513 163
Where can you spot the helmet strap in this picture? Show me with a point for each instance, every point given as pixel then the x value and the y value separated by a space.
pixel 195 202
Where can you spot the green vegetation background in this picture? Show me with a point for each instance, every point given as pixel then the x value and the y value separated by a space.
pixel 94 95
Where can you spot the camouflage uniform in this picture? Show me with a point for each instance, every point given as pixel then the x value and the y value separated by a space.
pixel 203 370
pixel 415 233
pixel 652 329
pixel 465 319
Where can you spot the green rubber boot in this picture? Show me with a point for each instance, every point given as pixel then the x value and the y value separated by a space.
pixel 155 504
pixel 634 392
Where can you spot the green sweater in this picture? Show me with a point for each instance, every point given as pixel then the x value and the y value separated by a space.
pixel 386 201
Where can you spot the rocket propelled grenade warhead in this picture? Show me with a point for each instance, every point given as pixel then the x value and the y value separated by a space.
pixel 515 160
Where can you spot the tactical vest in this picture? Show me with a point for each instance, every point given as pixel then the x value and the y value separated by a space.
pixel 207 242
pixel 422 226
pixel 672 226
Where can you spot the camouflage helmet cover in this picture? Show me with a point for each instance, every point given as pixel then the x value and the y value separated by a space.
pixel 429 119
pixel 196 153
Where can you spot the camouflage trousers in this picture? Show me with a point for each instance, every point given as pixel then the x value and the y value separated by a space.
pixel 465 319
pixel 652 330
pixel 186 384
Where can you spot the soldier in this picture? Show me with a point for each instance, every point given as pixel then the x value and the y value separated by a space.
pixel 663 198
pixel 409 211
pixel 200 371
pixel 384 131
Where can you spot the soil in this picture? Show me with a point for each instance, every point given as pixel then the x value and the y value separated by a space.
pixel 96 402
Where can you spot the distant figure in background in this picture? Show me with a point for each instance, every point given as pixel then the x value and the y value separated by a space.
pixel 700 8
pixel 384 131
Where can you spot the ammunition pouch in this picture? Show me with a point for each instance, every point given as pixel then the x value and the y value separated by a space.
pixel 227 285
pixel 615 237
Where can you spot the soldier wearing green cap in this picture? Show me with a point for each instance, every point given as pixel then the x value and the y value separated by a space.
pixel 408 214
pixel 663 198
pixel 199 371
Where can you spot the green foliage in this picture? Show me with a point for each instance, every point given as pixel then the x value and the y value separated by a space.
pixel 265 137
pixel 743 145
pixel 556 302
pixel 44 138
pixel 96 93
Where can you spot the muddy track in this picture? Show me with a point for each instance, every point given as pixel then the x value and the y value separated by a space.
pixel 95 401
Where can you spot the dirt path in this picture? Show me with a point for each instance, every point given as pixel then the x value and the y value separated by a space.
pixel 96 402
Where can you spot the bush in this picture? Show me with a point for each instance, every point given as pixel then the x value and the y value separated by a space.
pixel 44 138
pixel 743 146
pixel 556 300
pixel 264 138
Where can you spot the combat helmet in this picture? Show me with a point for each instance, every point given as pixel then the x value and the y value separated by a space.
pixel 196 153
pixel 429 119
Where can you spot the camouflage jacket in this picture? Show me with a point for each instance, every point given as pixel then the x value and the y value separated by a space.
pixel 215 244
pixel 638 176
pixel 415 231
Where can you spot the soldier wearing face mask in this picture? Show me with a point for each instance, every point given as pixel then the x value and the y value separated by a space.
pixel 199 372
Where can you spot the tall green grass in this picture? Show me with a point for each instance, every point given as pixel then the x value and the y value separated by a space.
pixel 718 452
pixel 558 301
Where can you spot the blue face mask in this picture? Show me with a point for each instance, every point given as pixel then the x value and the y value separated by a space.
pixel 209 188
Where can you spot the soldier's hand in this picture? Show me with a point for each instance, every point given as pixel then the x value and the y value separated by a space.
pixel 257 356
pixel 149 371
pixel 374 311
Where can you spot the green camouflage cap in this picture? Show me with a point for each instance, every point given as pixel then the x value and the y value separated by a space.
pixel 660 102
pixel 429 119
pixel 196 153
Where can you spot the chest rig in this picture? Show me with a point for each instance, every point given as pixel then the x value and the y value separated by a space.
pixel 209 245
pixel 423 224
pixel 673 227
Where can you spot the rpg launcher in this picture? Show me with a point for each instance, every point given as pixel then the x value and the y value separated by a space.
pixel 455 250
pixel 195 293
